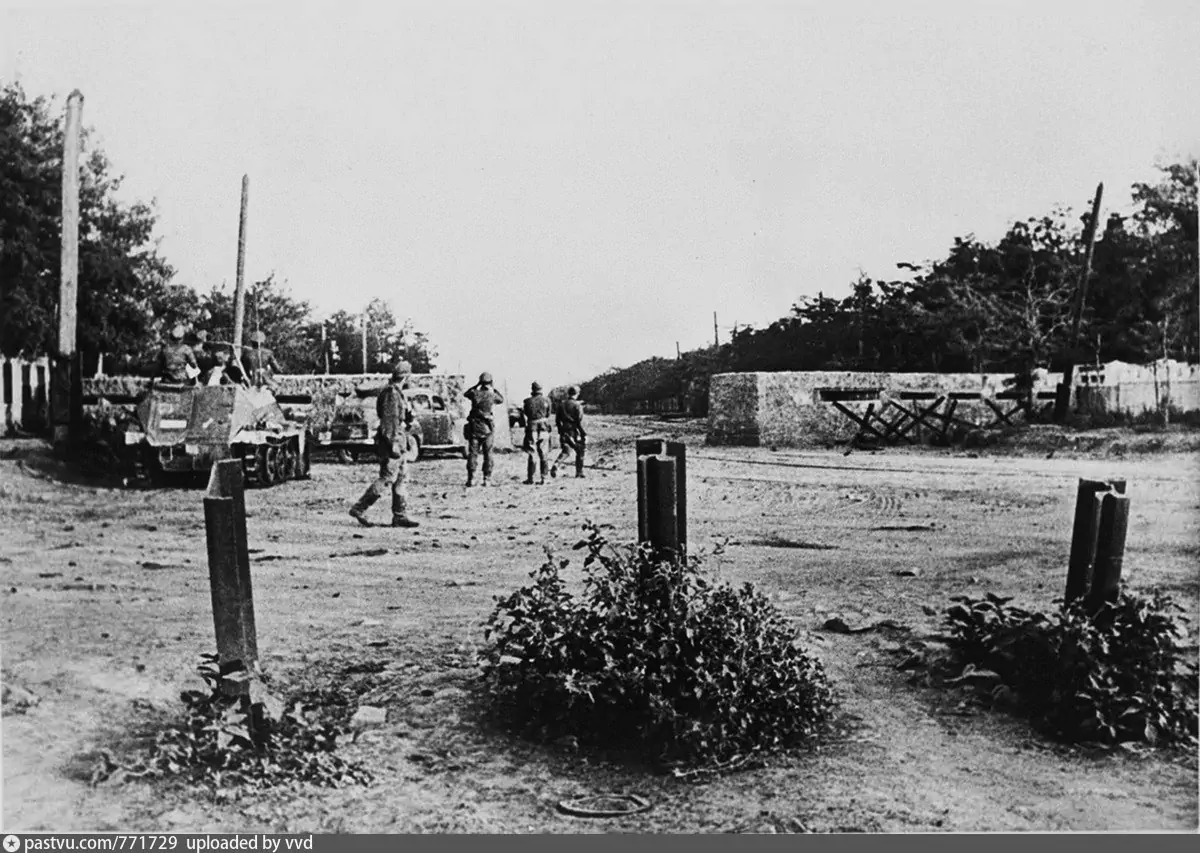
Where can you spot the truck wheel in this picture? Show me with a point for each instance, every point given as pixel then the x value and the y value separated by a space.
pixel 413 453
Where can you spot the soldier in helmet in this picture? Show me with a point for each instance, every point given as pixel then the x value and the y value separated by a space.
pixel 206 357
pixel 571 435
pixel 260 361
pixel 535 411
pixel 481 427
pixel 176 360
pixel 391 444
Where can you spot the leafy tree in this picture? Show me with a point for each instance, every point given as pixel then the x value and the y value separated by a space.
pixel 121 274
pixel 388 341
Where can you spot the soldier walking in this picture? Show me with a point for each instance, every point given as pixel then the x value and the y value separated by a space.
pixel 481 427
pixel 535 413
pixel 391 443
pixel 571 435
pixel 177 361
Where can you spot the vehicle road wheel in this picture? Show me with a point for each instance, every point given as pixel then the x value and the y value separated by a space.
pixel 268 465
pixel 413 453
pixel 287 462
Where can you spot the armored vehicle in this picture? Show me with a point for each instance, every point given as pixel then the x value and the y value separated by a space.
pixel 185 429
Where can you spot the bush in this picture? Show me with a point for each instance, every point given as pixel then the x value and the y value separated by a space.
pixel 230 741
pixel 1121 675
pixel 652 657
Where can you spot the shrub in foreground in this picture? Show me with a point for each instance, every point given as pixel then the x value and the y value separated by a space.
pixel 1121 675
pixel 652 657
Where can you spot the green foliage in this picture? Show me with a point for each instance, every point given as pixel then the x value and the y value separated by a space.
pixel 1120 675
pixel 653 657
pixel 229 741
pixel 1005 307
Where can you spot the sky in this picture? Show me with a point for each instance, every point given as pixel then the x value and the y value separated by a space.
pixel 552 189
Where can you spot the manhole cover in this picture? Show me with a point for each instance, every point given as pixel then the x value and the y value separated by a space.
pixel 605 805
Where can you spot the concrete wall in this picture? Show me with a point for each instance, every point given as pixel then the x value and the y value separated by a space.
pixel 1138 389
pixel 796 408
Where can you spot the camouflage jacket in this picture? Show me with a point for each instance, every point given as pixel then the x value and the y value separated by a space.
pixel 174 361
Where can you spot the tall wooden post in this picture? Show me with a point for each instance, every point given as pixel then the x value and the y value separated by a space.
pixel 364 339
pixel 66 386
pixel 229 573
pixel 325 346
pixel 1062 401
pixel 716 333
pixel 239 292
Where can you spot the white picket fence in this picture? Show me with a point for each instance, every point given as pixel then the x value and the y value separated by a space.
pixel 26 395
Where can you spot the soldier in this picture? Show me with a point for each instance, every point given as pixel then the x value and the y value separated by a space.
pixel 260 361
pixel 481 428
pixel 571 435
pixel 536 415
pixel 176 361
pixel 206 358
pixel 225 371
pixel 391 443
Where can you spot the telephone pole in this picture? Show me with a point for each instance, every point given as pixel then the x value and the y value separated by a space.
pixel 716 334
pixel 1062 402
pixel 239 291
pixel 67 388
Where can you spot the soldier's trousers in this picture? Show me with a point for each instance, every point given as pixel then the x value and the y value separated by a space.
pixel 571 445
pixel 479 445
pixel 393 475
pixel 536 447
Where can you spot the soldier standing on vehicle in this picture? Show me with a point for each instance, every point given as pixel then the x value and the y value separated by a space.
pixel 260 361
pixel 536 414
pixel 205 357
pixel 481 428
pixel 571 435
pixel 391 445
pixel 177 361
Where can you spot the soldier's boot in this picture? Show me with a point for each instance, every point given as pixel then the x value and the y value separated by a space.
pixel 470 479
pixel 486 480
pixel 579 469
pixel 553 470
pixel 359 511
pixel 530 465
pixel 542 473
pixel 400 514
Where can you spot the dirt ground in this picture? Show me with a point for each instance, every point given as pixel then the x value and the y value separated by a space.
pixel 107 608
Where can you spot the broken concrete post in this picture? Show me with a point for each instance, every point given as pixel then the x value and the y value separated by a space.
pixel 662 494
pixel 1113 511
pixel 229 574
pixel 1083 537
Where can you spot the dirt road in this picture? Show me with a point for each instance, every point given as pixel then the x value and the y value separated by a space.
pixel 106 608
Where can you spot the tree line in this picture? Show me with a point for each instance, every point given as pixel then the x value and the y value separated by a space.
pixel 1007 306
pixel 128 300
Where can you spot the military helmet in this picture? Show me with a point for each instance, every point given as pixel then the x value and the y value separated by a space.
pixel 485 378
pixel 401 370
pixel 573 391
pixel 536 386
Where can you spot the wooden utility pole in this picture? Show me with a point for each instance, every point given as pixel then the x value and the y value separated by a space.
pixel 716 334
pixel 1062 402
pixel 324 347
pixel 66 387
pixel 678 353
pixel 239 293
pixel 364 337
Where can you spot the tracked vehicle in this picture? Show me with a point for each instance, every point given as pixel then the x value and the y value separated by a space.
pixel 184 429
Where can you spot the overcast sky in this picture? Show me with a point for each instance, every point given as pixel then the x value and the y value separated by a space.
pixel 550 189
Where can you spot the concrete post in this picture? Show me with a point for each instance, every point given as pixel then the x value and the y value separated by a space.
pixel 662 494
pixel 1083 537
pixel 1113 511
